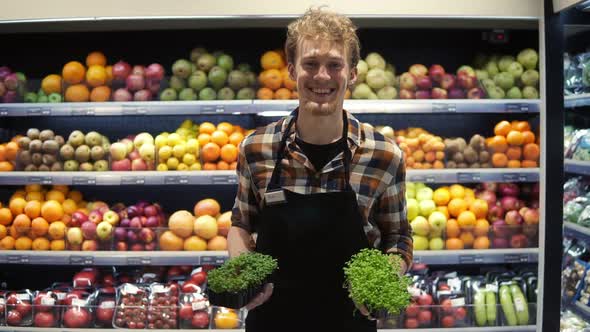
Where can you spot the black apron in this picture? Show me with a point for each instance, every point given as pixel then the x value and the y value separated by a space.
pixel 311 236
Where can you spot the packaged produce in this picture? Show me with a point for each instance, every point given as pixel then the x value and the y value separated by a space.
pixel 2 308
pixel 420 312
pixel 451 298
pixel 485 303
pixel 19 308
pixel 79 308
pixel 105 307
pixel 46 311
pixel 227 318
pixel 515 307
pixel 131 310
pixel 162 309
pixel 572 323
pixel 194 311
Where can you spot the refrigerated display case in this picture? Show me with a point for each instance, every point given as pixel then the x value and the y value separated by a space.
pixel 39 41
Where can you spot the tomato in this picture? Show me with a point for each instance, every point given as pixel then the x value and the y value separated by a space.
pixel 199 277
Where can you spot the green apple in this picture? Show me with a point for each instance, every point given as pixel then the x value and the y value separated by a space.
pixel 420 226
pixel 436 244
pixel 437 221
pixel 410 190
pixel 505 62
pixel 375 60
pixel 420 242
pixel 413 209
pixel 42 99
pixel 419 185
pixel 515 69
pixel 530 77
pixel 504 80
pixel 492 68
pixel 54 98
pixel 514 93
pixel 481 74
pixel 528 58
pixel 530 92
pixel 426 207
pixel 424 194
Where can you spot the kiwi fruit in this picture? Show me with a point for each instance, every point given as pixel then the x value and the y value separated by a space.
pixel 484 156
pixel 57 167
pixel 451 164
pixel 477 142
pixel 475 165
pixel 36 145
pixel 470 155
pixel 46 134
pixel 44 168
pixel 50 146
pixel 37 159
pixel 458 157
pixel 33 133
pixel 31 168
pixel 462 165
pixel 49 159
pixel 24 157
pixel 486 165
pixel 59 139
pixel 24 142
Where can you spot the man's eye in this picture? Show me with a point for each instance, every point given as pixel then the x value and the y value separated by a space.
pixel 335 65
pixel 309 64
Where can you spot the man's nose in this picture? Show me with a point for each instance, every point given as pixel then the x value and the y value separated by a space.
pixel 322 73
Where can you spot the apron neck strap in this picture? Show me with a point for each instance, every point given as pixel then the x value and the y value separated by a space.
pixel 274 180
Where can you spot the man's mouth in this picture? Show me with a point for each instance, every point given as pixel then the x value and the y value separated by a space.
pixel 322 92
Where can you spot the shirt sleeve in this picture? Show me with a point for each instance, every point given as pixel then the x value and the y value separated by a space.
pixel 245 207
pixel 391 217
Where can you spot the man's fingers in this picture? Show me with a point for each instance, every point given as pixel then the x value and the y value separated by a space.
pixel 362 309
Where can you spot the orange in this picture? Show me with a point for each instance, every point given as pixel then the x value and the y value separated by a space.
pixel 499 160
pixel 521 126
pixel 515 138
pixel 7 243
pixel 10 150
pixel 3 231
pixel 288 83
pixel 75 195
pixel 482 227
pixel 481 242
pixel 528 137
pixel 441 196
pixel 96 58
pixel 57 230
pixel 23 243
pixel 469 192
pixel 207 128
pixel 51 84
pixel 531 152
pixel 40 243
pixel 236 138
pixel 502 128
pixel 61 187
pixel 271 79
pixel 13 232
pixel 513 164
pixel 440 155
pixel 6 166
pixel 454 244
pixel 264 93
pixel 222 166
pixel 426 165
pixel 229 153
pixel 33 187
pixel 73 72
pixel 209 166
pixel 39 226
pixel 54 195
pixel 17 206
pixel 66 219
pixel 272 60
pixel 109 72
pixel 35 196
pixel 444 210
pixel 52 211
pixel 514 153
pixel 2 152
pixel 430 156
pixel 203 139
pixel 529 164
pixel 57 245
pixel 69 206
pixel 438 164
pixel 217 243
pixel 456 206
pixel 219 137
pixel 452 228
pixel 5 216
pixel 210 152
pixel 467 239
pixel 498 144
pixel 226 319
pixel 457 191
pixel 466 219
pixel 479 207
pixel 418 156
pixel 33 209
pixel 208 207
pixel 100 93
pixel 226 127
pixel 96 76
pixel 77 93
pixel 22 223
pixel 283 94
pixel 171 242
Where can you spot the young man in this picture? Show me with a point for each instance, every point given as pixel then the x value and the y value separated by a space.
pixel 317 186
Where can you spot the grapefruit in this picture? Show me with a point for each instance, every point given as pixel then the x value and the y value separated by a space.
pixel 224 223
pixel 205 227
pixel 207 206
pixel 181 223
pixel 218 243
pixel 170 242
pixel 195 243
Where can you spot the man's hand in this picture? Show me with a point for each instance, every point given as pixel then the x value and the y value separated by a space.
pixel 261 297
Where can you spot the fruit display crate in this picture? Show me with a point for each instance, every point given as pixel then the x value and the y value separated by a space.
pixel 265 107
pixel 576 231
pixel 576 166
pixel 474 175
pixel 578 100
pixel 160 258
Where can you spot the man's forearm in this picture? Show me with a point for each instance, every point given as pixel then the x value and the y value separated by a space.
pixel 238 241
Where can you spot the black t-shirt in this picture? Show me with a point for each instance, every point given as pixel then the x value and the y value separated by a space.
pixel 320 155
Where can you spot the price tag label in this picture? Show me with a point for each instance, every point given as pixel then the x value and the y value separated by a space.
pixel 139 261
pixel 83 111
pixel 107 304
pixel 130 289
pixel 518 304
pixel 430 179
pixel 516 258
pixel 2 301
pixel 212 109
pixel 213 260
pixel 40 179
pixel 61 296
pixel 224 179
pixel 458 302
pixel 129 110
pixel 79 302
pixel 3 111
pixel 47 300
pixel 417 178
pixel 176 179
pixel 492 288
pixel 417 259
pixel 200 305
pixel 468 177
pixel 444 107
pixel 83 180
pixel 510 177
pixel 159 289
pixel 17 259
pixel 23 297
pixel 127 180
pixel 81 260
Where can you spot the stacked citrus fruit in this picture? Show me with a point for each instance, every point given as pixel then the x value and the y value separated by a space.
pixel 422 150
pixel 219 145
pixel 203 229
pixel 36 218
pixel 179 150
pixel 274 79
pixel 8 153
pixel 467 226
pixel 514 145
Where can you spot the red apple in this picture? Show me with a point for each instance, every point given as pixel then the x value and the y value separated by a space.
pixel 121 165
pixel 418 70
pixel 411 323
pixel 495 212
pixel 424 299
pixel 138 165
pixel 14 318
pixel 24 308
pixel 447 82
pixel 456 93
pixel 121 70
pixel 407 81
pixel 122 94
pixel 44 302
pixel 412 310
pixel 44 319
pixel 436 73
pixel 499 243
pixel 467 82
pixel 519 241
pixel 185 312
pixel 135 82
pixel 424 83
pixel 438 93
pixel 446 306
pixel 531 216
pixel 76 317
pixel 448 321
pixel 500 228
pixel 513 218
pixel 406 94
pixel 200 320
pixel 78 218
pixel 155 71
pixel 138 70
pixel 425 317
pixel 89 245
pixel 475 93
pixel 422 94
pixel 460 313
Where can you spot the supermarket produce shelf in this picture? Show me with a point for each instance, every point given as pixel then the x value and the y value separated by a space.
pixel 471 175
pixel 265 107
pixel 576 166
pixel 577 100
pixel 453 329
pixel 159 258
pixel 581 310
pixel 576 231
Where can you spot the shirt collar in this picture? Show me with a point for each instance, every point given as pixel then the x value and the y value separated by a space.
pixel 354 128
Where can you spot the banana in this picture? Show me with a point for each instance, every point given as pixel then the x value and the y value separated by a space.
pixel 491 308
pixel 508 305
pixel 480 308
pixel 520 304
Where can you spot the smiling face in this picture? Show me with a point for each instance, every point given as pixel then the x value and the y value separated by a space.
pixel 322 72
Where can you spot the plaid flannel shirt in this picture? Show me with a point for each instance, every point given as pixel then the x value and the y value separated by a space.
pixel 377 177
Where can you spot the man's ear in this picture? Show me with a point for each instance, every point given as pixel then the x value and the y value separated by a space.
pixel 292 72
pixel 353 76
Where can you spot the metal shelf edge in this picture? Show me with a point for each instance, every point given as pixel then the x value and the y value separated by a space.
pixel 456 329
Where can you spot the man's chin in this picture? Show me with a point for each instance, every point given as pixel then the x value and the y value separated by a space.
pixel 324 109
